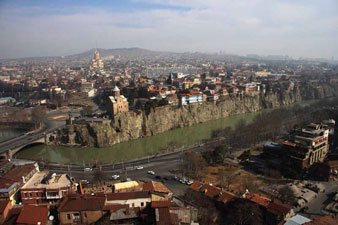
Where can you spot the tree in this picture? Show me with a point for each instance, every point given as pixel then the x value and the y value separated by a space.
pixel 163 102
pixel 193 164
pixel 222 151
pixel 227 177
pixel 242 212
pixel 86 110
pixel 38 115
pixel 287 194
pixel 99 176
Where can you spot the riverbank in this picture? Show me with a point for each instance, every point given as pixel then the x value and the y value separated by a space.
pixel 128 126
pixel 135 149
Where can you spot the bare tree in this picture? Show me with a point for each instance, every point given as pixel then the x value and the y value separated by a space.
pixel 287 194
pixel 38 115
pixel 193 164
pixel 86 110
pixel 242 212
pixel 99 176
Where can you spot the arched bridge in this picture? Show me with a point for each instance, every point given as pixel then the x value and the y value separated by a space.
pixel 12 146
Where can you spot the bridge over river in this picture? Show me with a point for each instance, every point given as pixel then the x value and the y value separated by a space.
pixel 43 136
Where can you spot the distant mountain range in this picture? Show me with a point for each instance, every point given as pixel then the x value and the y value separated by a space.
pixel 140 54
pixel 131 53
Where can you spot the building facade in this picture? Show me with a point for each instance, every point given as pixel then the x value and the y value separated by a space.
pixel 46 187
pixel 117 103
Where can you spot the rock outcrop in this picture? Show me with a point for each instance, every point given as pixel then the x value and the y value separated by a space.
pixel 132 125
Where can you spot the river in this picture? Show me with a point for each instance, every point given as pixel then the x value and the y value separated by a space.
pixel 9 133
pixel 135 148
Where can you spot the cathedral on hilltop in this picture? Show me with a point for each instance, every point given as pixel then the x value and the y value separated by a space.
pixel 96 63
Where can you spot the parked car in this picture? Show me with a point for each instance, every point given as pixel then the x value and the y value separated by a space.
pixel 158 177
pixel 115 177
pixel 139 168
pixel 151 172
pixel 88 169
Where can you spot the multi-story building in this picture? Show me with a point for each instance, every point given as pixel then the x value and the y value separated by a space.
pixel 308 145
pixel 46 187
pixel 14 178
pixel 117 103
pixel 86 209
pixel 190 98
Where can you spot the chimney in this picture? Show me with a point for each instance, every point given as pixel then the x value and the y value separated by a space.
pixel 23 179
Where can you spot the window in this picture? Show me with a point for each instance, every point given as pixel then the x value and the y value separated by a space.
pixel 133 204
pixel 142 203
pixel 76 216
pixel 30 194
pixel 68 216
pixel 85 214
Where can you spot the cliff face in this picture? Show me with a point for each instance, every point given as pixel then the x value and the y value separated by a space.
pixel 132 125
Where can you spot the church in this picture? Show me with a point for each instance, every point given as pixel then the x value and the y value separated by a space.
pixel 117 103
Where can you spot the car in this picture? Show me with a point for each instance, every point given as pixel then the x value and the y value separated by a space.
pixel 151 172
pixel 158 177
pixel 88 169
pixel 115 176
pixel 189 182
pixel 84 181
pixel 139 168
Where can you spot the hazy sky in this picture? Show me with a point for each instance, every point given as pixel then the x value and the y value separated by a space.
pixel 60 27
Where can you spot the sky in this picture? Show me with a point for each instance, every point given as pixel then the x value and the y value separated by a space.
pixel 298 28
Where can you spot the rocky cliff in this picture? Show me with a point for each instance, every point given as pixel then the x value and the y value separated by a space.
pixel 132 125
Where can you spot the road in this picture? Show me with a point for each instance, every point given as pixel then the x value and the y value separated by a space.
pixel 164 166
pixel 47 127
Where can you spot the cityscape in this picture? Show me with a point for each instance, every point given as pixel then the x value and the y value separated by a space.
pixel 168 112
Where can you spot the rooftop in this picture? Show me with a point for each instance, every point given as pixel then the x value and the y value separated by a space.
pixel 33 215
pixel 82 203
pixel 156 186
pixel 125 185
pixel 3 204
pixel 48 180
pixel 16 174
pixel 128 195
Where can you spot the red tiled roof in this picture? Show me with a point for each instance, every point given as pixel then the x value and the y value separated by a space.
pixel 82 203
pixel 226 196
pixel 325 220
pixel 210 191
pixel 33 214
pixel 156 186
pixel 115 207
pixel 195 186
pixel 3 204
pixel 260 200
pixel 165 217
pixel 128 195
pixel 162 204
pixel 15 175
pixel 278 208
